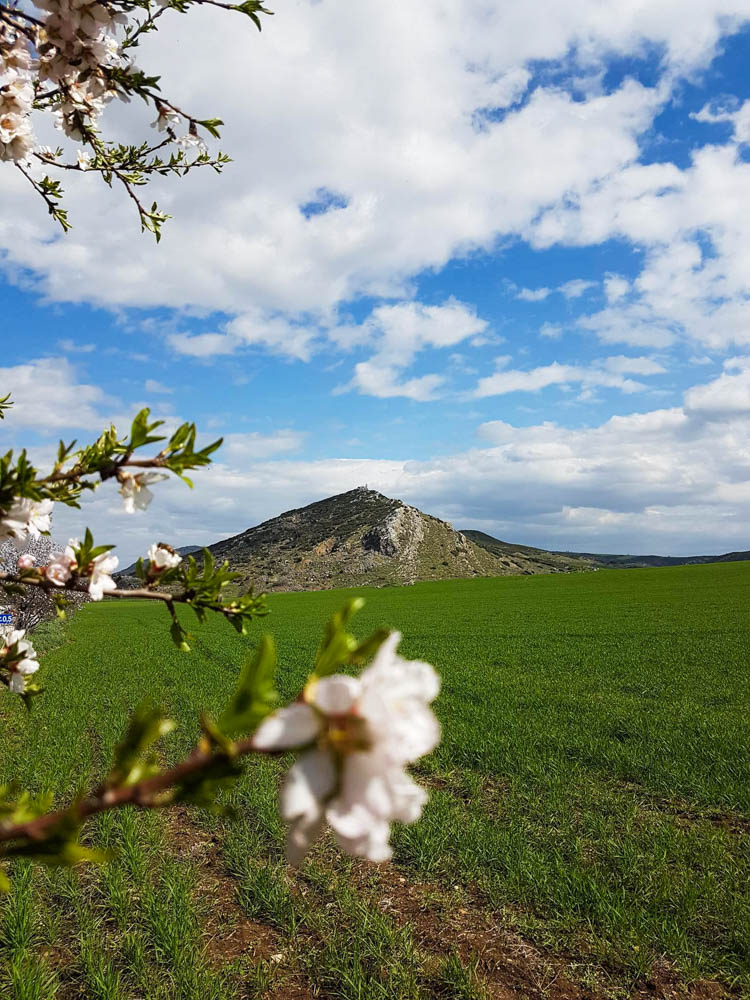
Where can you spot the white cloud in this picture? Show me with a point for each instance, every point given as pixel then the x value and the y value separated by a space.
pixel 551 330
pixel 47 396
pixel 615 287
pixel 633 366
pixel 70 347
pixel 570 290
pixel 202 345
pixel 694 284
pixel 634 325
pixel 382 108
pixel 608 375
pixel 726 396
pixel 253 446
pixel 253 328
pixel 738 116
pixel 533 294
pixel 373 378
pixel 151 385
pixel 576 288
pixel 399 333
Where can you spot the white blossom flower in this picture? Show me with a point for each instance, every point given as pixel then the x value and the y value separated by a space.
pixel 163 557
pixel 84 159
pixel 359 734
pixel 26 517
pixel 165 119
pixel 191 141
pixel 16 96
pixel 59 570
pixel 26 561
pixel 100 579
pixel 25 659
pixel 134 489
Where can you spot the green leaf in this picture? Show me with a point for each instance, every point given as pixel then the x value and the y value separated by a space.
pixel 256 694
pixel 141 429
pixel 337 645
pixel 369 647
pixel 202 787
pixel 132 760
pixel 212 125
pixel 179 637
pixel 339 648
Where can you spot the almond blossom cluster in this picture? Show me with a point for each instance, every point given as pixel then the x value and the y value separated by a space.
pixel 25 519
pixel 76 45
pixel 18 657
pixel 358 735
pixel 16 96
pixel 99 570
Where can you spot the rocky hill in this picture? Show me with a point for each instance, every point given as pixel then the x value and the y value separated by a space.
pixel 362 538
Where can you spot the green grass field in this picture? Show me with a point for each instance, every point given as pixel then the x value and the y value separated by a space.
pixel 588 832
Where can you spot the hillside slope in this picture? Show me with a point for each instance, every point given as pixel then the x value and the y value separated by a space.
pixel 598 560
pixel 560 562
pixel 362 538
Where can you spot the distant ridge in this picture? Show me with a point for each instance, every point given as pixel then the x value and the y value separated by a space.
pixel 601 560
pixel 363 538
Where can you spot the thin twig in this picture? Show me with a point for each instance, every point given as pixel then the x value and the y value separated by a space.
pixel 130 40
pixel 51 204
pixel 8 13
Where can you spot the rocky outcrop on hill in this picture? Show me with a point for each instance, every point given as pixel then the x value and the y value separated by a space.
pixel 361 538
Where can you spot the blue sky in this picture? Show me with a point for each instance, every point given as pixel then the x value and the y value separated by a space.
pixel 496 262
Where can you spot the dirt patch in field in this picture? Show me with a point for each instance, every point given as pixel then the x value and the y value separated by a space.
pixel 231 934
pixel 508 965
pixel 487 791
pixel 686 812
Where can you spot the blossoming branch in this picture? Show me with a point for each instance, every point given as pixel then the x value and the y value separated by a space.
pixel 26 504
pixel 69 59
pixel 354 737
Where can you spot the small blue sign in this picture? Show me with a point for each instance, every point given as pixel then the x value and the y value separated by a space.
pixel 6 619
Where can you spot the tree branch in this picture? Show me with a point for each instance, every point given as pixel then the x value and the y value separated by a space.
pixel 52 206
pixel 187 597
pixel 143 794
pixel 7 13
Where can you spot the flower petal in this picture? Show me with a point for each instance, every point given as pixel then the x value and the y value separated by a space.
pixel 308 784
pixel 336 695
pixel 17 683
pixel 385 789
pixel 359 832
pixel 290 727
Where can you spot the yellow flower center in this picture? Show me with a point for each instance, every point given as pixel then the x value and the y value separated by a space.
pixel 344 734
